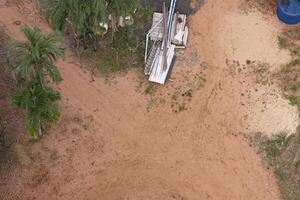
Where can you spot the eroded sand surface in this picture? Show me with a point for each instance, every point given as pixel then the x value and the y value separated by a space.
pixel 115 142
pixel 251 37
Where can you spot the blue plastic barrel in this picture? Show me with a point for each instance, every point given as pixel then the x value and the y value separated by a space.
pixel 289 11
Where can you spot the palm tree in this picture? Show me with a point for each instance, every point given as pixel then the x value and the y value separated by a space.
pixel 39 104
pixel 31 61
pixel 34 58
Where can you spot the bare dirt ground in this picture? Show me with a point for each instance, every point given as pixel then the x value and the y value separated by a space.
pixel 180 141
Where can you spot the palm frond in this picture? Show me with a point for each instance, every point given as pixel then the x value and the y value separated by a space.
pixel 31 59
pixel 122 7
pixel 54 73
pixel 39 103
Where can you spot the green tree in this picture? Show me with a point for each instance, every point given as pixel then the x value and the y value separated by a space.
pixel 118 8
pixel 32 61
pixel 34 58
pixel 39 104
pixel 85 16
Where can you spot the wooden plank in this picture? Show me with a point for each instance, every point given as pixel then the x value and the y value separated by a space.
pixel 178 28
pixel 157 33
pixel 158 75
pixel 178 37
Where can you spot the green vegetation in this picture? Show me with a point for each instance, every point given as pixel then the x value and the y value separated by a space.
pixel 179 100
pixel 84 16
pixel 125 54
pixel 288 67
pixel 182 108
pixel 262 67
pixel 87 18
pixel 200 81
pixel 188 93
pixel 174 97
pixel 32 59
pixel 150 89
pixel 1 130
pixel 289 75
pixel 31 62
pixel 287 41
pixel 283 42
pixel 38 102
pixel 293 100
pixel 272 147
pixel 282 153
pixel 104 38
pixel 261 70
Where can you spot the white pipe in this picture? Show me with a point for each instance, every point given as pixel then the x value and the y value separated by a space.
pixel 172 10
pixel 170 21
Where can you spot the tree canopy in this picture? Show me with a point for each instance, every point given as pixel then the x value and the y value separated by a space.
pixel 39 104
pixel 32 61
pixel 33 58
pixel 86 16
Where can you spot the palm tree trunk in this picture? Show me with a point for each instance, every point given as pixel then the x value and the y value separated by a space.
pixel 40 128
pixel 77 47
pixel 95 42
pixel 113 28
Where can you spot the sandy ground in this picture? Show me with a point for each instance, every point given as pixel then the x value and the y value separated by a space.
pixel 116 142
pixel 253 36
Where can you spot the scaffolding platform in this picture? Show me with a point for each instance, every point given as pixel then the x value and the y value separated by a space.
pixel 179 32
pixel 163 42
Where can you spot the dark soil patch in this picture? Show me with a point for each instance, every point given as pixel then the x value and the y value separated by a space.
pixel 283 155
pixel 11 119
pixel 264 6
pixel 183 6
